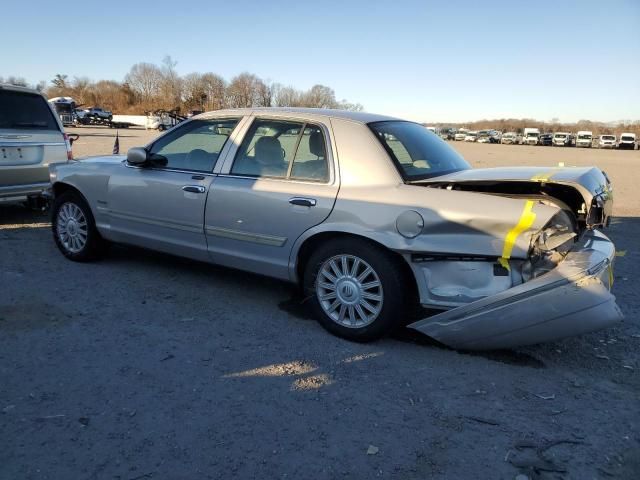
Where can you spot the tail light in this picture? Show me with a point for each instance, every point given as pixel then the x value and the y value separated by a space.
pixel 67 143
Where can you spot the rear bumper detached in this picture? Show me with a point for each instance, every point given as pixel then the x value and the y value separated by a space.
pixel 572 299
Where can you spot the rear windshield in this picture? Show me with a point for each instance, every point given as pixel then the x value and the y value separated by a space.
pixel 22 110
pixel 416 151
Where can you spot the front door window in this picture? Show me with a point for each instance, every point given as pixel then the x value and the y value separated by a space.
pixel 195 146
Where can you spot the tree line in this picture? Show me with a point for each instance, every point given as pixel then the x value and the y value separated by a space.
pixel 150 87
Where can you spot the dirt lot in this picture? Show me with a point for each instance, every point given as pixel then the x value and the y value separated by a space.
pixel 148 366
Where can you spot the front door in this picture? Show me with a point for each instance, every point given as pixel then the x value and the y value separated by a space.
pixel 281 183
pixel 161 206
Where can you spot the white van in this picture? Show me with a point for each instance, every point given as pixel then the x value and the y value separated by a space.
pixel 627 140
pixel 530 136
pixel 607 141
pixel 584 138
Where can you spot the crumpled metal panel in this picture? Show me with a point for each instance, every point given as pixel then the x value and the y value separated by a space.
pixel 572 299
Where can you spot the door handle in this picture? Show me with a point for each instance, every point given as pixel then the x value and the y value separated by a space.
pixel 194 188
pixel 303 201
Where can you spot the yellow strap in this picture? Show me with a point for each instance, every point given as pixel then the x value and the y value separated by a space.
pixel 526 220
pixel 544 177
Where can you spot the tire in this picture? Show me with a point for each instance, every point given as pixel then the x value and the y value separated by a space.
pixel 74 228
pixel 352 319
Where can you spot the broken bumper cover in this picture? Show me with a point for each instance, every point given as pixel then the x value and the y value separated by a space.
pixel 572 299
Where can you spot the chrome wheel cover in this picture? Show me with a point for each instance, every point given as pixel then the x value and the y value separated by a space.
pixel 72 227
pixel 349 291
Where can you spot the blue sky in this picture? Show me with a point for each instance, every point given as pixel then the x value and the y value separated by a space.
pixel 423 60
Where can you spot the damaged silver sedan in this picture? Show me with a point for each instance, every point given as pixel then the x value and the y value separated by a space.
pixel 370 215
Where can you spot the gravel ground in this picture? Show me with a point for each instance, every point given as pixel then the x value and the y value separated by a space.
pixel 149 366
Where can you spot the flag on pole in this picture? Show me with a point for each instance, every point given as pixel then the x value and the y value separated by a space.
pixel 116 145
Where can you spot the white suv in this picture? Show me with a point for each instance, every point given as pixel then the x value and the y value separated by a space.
pixel 607 141
pixel 31 137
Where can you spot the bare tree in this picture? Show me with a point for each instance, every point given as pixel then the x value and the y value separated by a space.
pixel 145 80
pixel 263 94
pixel 215 90
pixel 243 91
pixel 171 84
pixel 320 96
pixel 60 81
pixel 286 96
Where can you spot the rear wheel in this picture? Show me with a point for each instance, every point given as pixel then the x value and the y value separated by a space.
pixel 357 289
pixel 74 228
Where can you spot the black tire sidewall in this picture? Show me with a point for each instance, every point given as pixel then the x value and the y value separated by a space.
pixel 93 247
pixel 390 275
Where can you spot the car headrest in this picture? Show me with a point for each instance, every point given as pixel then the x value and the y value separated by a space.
pixel 316 144
pixel 269 151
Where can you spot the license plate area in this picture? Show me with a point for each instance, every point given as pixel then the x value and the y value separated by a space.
pixel 20 155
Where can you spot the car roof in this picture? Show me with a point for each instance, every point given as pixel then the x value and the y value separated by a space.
pixel 16 88
pixel 361 117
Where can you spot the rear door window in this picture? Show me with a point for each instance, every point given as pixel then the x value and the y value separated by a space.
pixel 24 111
pixel 283 149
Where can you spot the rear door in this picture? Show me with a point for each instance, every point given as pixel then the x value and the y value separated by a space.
pixel 279 182
pixel 30 138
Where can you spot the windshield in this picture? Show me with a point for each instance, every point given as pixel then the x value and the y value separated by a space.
pixel 25 110
pixel 560 135
pixel 627 138
pixel 532 134
pixel 62 107
pixel 608 137
pixel 416 151
pixel 584 137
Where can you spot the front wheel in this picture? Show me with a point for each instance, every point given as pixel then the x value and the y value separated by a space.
pixel 357 290
pixel 74 228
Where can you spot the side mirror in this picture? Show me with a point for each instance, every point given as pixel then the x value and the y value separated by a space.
pixel 137 156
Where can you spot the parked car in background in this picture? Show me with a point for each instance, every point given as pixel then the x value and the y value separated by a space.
pixel 97 112
pixel 460 135
pixel 31 137
pixel 483 137
pixel 545 139
pixel 607 141
pixel 495 136
pixel 530 136
pixel 370 215
pixel 561 139
pixel 509 138
pixel 471 137
pixel 584 139
pixel 627 141
pixel 447 133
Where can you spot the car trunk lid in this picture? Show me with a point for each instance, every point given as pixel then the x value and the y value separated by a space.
pixel 586 191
